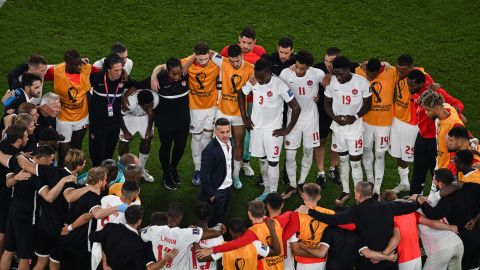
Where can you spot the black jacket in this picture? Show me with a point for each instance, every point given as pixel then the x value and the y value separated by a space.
pixel 213 170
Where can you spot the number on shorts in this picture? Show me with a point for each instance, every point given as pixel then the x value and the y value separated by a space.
pixel 161 248
pixel 261 100
pixel 276 150
pixel 384 140
pixel 346 100
pixel 409 150
pixel 315 136
pixel 301 91
pixel 358 143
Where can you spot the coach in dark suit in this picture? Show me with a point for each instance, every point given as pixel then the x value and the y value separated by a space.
pixel 216 171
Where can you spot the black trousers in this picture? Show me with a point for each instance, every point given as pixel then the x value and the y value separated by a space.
pixel 219 206
pixel 102 143
pixel 424 160
pixel 176 137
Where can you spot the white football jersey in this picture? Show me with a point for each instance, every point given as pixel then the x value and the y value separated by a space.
pixel 117 217
pixel 136 110
pixel 267 110
pixel 165 239
pixel 305 90
pixel 348 97
pixel 210 265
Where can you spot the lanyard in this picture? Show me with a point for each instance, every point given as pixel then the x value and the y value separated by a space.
pixel 106 90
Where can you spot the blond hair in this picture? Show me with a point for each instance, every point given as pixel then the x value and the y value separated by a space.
pixel 96 174
pixel 312 191
pixel 23 119
pixel 74 159
pixel 431 99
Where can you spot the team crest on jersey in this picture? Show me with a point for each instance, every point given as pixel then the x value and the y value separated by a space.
pixel 120 85
pixel 287 142
pixel 269 93
pixel 192 127
pixel 290 93
pixel 354 91
pixel 184 83
pixel 195 231
pixel 309 82
pixel 334 145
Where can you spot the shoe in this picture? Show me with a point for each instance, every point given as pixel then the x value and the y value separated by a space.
pixel 262 196
pixel 375 196
pixel 247 169
pixel 196 178
pixel 236 182
pixel 342 198
pixel 175 176
pixel 322 181
pixel 289 192
pixel 334 176
pixel 401 188
pixel 259 181
pixel 147 177
pixel 168 182
pixel 285 179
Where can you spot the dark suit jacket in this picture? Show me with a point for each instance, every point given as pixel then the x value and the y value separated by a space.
pixel 213 169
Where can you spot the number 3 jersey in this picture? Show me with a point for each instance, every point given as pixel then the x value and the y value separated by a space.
pixel 305 90
pixel 267 110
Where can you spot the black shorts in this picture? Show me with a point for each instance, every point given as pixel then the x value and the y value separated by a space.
pixel 47 244
pixel 5 207
pixel 324 127
pixel 20 237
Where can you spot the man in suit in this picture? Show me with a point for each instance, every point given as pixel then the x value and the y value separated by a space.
pixel 216 171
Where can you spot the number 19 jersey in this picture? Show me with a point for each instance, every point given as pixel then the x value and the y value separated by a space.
pixel 348 97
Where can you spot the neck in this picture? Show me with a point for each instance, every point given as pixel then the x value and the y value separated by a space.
pixel 96 189
pixel 110 77
pixel 202 224
pixel 464 146
pixel 257 220
pixel 17 145
pixel 125 200
pixel 274 213
pixel 310 204
pixel 135 226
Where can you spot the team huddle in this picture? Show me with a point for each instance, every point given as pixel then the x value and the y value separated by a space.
pixel 253 104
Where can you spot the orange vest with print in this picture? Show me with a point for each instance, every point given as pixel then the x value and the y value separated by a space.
pixel 202 82
pixel 471 177
pixel 404 109
pixel 443 127
pixel 263 235
pixel 382 88
pixel 311 231
pixel 73 97
pixel 242 258
pixel 232 82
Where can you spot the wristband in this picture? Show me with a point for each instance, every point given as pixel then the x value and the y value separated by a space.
pixel 70 228
pixel 356 116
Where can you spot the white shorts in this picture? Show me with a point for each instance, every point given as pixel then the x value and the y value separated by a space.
pixel 202 119
pixel 415 264
pixel 311 266
pixel 308 132
pixel 234 120
pixel 402 140
pixel 134 125
pixel 66 128
pixel 377 134
pixel 262 144
pixel 348 138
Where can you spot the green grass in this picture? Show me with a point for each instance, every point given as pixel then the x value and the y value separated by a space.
pixel 442 36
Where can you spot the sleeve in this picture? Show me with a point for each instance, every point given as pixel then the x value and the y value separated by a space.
pixel 246 238
pixel 327 237
pixel 208 165
pixel 457 104
pixel 148 234
pixel 319 74
pixel 283 75
pixel 285 91
pixel 69 185
pixel 191 235
pixel 95 69
pixel 50 73
pixel 328 91
pixel 99 236
pixel 284 218
pixel 400 207
pixel 94 202
pixel 344 217
pixel 442 209
pixel 262 250
pixel 12 77
pixel 13 165
pixel 99 63
pixel 224 51
pixel 349 227
pixel 247 88
pixel 156 100
pixel 217 60
pixel 292 227
pixel 433 198
pixel 366 91
pixel 149 257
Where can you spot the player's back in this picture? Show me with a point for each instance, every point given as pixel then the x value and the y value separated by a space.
pixel 263 235
pixel 206 243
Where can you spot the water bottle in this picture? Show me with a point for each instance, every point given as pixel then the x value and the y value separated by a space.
pixel 8 101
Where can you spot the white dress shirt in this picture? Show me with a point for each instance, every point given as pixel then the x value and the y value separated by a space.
pixel 227 151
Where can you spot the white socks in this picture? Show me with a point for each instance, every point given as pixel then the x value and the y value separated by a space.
pixel 236 168
pixel 273 175
pixel 379 168
pixel 403 176
pixel 357 174
pixel 291 166
pixel 264 172
pixel 344 169
pixel 197 150
pixel 367 159
pixel 143 158
pixel 306 164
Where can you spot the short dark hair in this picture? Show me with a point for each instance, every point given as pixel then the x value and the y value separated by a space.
pixel 263 64
pixel 404 60
pixel 285 42
pixel 111 60
pixel 417 76
pixel 364 188
pixel 133 214
pixel 201 48
pixel 129 187
pixel 341 62
pixel 444 175
pixel 274 200
pixel 305 58
pixel 118 48
pixel 175 210
pixel 234 50
pixel 237 225
pixel 465 156
pixel 311 190
pixel 374 65
pixel 203 211
pixel 14 133
pixel 460 132
pixel 72 56
pixel 173 63
pixel 26 107
pixel 222 122
pixel 333 51
pixel 256 208
pixel 29 78
pixel 43 151
pixel 144 97
pixel 159 218
pixel 248 32
pixel 36 60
